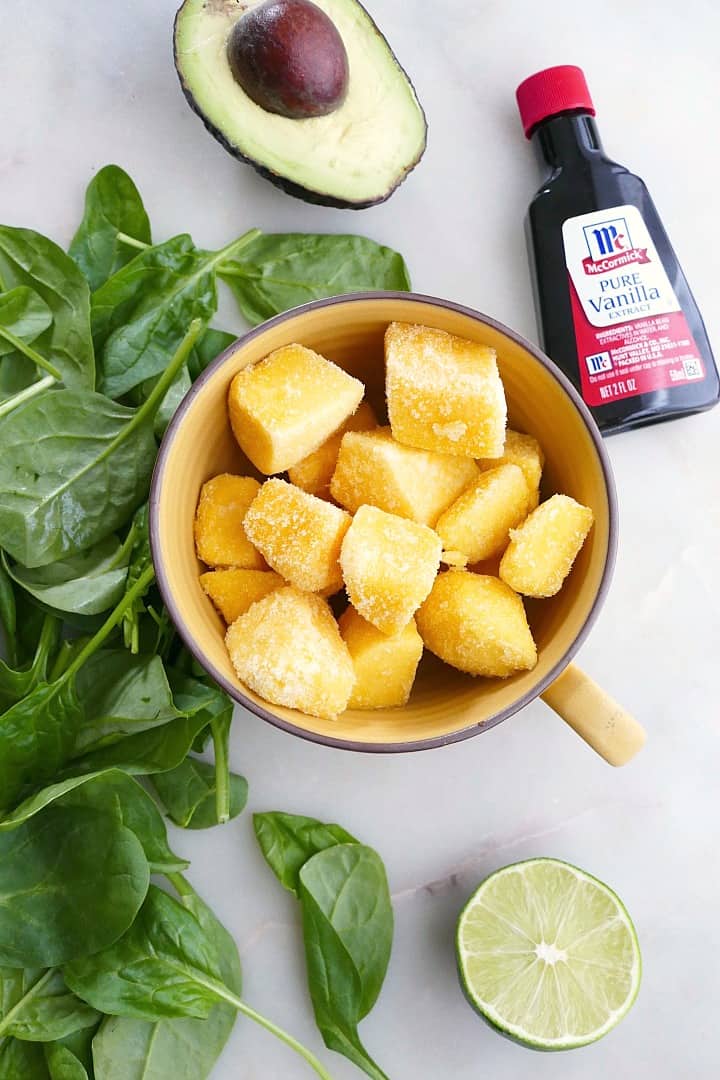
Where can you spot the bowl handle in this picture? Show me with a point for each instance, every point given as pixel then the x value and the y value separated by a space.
pixel 595 716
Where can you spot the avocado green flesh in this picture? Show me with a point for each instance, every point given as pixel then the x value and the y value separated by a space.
pixel 355 156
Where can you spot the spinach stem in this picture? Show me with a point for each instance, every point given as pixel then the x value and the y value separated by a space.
pixel 25 395
pixel 150 406
pixel 132 242
pixel 110 623
pixel 220 729
pixel 62 660
pixel 222 992
pixel 237 245
pixel 29 994
pixel 27 350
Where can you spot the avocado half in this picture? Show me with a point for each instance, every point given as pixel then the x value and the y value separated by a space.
pixel 352 158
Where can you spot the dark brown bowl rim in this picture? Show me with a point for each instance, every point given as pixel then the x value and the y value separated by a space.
pixel 417 744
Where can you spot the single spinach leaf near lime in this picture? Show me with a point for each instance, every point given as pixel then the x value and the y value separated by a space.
pixel 288 840
pixel 112 206
pixel 24 314
pixel 126 1048
pixel 348 929
pixel 22 1061
pixel 84 584
pixel 30 259
pixel 75 465
pixel 277 272
pixel 122 694
pixel 36 1005
pixel 188 794
pixel 63 1064
pixel 140 314
pixel 72 881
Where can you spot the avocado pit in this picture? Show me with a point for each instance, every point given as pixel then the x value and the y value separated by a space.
pixel 289 58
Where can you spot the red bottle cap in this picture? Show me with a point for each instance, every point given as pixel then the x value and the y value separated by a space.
pixel 552 91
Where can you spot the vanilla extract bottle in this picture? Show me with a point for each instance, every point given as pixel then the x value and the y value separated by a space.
pixel 615 310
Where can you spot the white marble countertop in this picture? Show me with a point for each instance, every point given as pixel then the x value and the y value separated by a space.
pixel 83 84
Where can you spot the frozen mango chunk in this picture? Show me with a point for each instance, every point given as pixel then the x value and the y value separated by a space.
pixel 541 552
pixel 385 664
pixel 443 393
pixel 220 538
pixel 299 535
pixel 314 473
pixel 477 623
pixel 288 649
pixel 373 468
pixel 525 452
pixel 388 565
pixel 234 591
pixel 478 523
pixel 285 406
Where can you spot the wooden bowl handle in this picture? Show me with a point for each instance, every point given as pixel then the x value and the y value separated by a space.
pixel 595 716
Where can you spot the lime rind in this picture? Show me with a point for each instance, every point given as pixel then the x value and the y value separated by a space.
pixel 583 981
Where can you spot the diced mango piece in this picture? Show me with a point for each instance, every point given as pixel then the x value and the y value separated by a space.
pixel 389 565
pixel 220 538
pixel 525 452
pixel 444 393
pixel 285 406
pixel 477 623
pixel 234 591
pixel 478 523
pixel 314 473
pixel 288 649
pixel 541 552
pixel 373 468
pixel 385 664
pixel 299 535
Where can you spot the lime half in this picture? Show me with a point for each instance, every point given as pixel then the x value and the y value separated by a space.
pixel 548 954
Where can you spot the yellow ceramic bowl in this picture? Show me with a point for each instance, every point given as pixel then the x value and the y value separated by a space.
pixel 445 705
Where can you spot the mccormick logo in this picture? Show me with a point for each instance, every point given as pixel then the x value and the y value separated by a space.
pixel 610 247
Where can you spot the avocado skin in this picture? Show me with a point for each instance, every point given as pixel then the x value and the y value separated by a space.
pixel 317 198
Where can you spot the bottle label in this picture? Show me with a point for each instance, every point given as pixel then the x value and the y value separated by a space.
pixel 632 336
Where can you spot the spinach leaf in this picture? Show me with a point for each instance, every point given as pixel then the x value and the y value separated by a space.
pixel 140 314
pixel 22 1061
pixel 62 1063
pixel 23 313
pixel 75 465
pixel 140 559
pixel 288 840
pixel 118 795
pixel 36 1005
pixel 79 1043
pixel 84 584
pixel 72 880
pixel 27 258
pixel 163 966
pixel 348 927
pixel 171 401
pixel 113 793
pixel 112 206
pixel 122 694
pixel 37 735
pixel 279 271
pixel 188 794
pixel 166 965
pixel 126 1048
pixel 8 615
pixel 147 752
